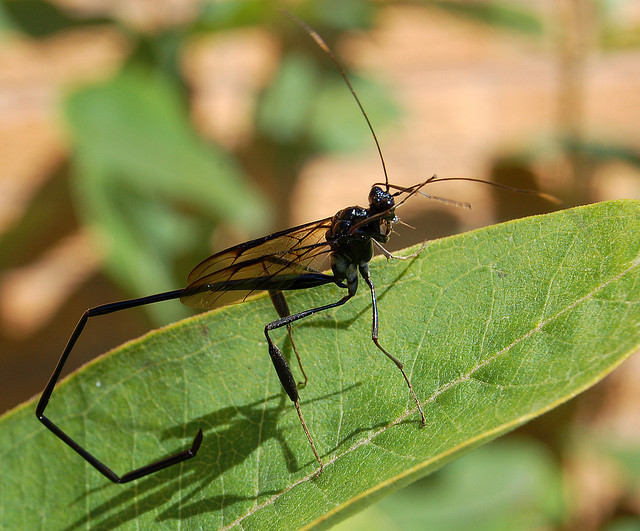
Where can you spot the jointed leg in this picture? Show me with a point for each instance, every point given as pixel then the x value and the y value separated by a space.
pixel 48 390
pixel 388 255
pixel 364 271
pixel 281 306
pixel 284 371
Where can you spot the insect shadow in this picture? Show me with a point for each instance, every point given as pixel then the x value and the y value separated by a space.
pixel 233 423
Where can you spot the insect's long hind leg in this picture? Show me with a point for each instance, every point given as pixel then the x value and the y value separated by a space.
pixel 48 390
pixel 284 371
pixel 364 271
pixel 281 306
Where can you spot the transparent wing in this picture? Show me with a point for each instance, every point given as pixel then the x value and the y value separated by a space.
pixel 290 259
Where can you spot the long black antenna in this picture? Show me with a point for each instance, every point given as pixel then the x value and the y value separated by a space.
pixel 323 45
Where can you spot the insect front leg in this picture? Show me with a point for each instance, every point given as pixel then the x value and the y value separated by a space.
pixel 48 390
pixel 388 254
pixel 281 306
pixel 284 371
pixel 364 271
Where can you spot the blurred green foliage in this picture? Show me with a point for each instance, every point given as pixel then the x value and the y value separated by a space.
pixel 147 183
pixel 512 483
pixel 143 180
pixel 504 15
pixel 155 192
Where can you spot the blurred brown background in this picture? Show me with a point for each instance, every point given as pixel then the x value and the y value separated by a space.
pixel 536 94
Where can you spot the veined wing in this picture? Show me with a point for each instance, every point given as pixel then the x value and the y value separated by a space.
pixel 289 259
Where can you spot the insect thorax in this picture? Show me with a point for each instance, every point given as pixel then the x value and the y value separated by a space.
pixel 350 235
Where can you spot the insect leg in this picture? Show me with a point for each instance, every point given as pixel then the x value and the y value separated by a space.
pixel 281 306
pixel 388 254
pixel 48 390
pixel 364 271
pixel 284 371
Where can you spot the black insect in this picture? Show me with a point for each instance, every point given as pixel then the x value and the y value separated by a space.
pixel 288 260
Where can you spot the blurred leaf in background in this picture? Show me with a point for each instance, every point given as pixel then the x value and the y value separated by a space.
pixel 149 186
pixel 513 483
pixel 136 192
pixel 150 189
pixel 41 18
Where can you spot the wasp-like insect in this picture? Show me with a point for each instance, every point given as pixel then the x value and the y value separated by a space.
pixel 288 260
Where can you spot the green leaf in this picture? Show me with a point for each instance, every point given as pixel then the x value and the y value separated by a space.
pixel 513 483
pixel 340 14
pixel 39 18
pixel 504 15
pixel 301 104
pixel 224 14
pixel 147 184
pixel 332 124
pixel 494 326
pixel 285 105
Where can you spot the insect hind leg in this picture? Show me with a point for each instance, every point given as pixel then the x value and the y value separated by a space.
pixel 284 371
pixel 281 306
pixel 64 437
